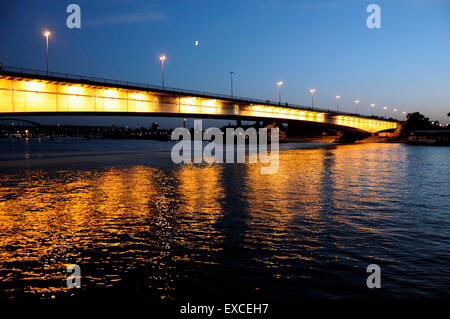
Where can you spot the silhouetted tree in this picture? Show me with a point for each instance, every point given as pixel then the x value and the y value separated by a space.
pixel 155 127
pixel 416 121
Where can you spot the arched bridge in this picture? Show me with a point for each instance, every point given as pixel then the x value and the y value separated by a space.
pixel 19 122
pixel 30 92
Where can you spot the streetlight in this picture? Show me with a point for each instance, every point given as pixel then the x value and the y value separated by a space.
pixel 279 83
pixel 371 109
pixel 46 35
pixel 162 58
pixel 404 114
pixel 337 102
pixel 312 91
pixel 231 79
pixel 356 106
pixel 395 110
pixel 385 109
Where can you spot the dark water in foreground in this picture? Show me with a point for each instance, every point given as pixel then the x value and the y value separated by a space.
pixel 142 227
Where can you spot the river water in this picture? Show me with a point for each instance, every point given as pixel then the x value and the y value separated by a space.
pixel 142 227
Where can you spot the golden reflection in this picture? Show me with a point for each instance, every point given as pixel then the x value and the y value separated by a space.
pixel 358 173
pixel 201 189
pixel 277 202
pixel 50 220
pixel 121 220
pixel 271 189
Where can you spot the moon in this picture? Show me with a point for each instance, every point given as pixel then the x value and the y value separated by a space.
pixel 196 43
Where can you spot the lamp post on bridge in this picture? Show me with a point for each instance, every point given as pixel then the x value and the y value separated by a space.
pixel 395 112
pixel 279 83
pixel 162 58
pixel 312 91
pixel 371 109
pixel 385 111
pixel 231 84
pixel 337 102
pixel 356 106
pixel 46 35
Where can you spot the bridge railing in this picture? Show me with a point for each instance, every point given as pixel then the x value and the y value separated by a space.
pixel 167 89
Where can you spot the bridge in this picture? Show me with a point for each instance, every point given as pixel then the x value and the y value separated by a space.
pixel 18 122
pixel 32 92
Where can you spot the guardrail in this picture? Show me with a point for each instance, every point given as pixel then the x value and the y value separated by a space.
pixel 67 76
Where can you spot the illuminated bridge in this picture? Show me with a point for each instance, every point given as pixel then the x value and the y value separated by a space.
pixel 32 92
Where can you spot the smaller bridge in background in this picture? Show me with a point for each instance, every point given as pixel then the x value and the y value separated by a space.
pixel 31 92
pixel 18 122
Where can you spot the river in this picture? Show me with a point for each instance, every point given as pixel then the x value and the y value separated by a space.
pixel 142 227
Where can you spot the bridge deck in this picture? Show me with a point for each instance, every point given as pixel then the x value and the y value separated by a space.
pixel 37 94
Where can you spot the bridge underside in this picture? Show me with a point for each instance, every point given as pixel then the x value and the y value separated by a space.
pixel 319 125
pixel 23 95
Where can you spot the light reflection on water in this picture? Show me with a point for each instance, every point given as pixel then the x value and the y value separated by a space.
pixel 142 227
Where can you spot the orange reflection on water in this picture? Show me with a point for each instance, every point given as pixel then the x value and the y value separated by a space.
pixel 50 220
pixel 359 172
pixel 153 223
pixel 281 203
pixel 201 188
pixel 201 195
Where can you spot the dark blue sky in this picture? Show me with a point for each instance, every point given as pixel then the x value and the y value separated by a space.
pixel 322 44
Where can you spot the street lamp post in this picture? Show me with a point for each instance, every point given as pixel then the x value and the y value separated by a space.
pixel 395 111
pixel 404 114
pixel 337 102
pixel 312 91
pixel 371 109
pixel 356 106
pixel 231 84
pixel 385 113
pixel 279 83
pixel 162 58
pixel 46 35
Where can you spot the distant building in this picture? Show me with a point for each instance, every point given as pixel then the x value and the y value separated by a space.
pixel 430 137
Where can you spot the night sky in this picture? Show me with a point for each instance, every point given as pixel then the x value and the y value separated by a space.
pixel 307 44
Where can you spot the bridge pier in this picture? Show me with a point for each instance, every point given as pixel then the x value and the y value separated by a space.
pixel 352 137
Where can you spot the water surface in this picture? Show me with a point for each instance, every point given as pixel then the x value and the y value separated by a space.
pixel 140 226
